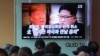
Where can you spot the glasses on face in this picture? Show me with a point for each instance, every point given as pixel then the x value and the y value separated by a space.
pixel 64 16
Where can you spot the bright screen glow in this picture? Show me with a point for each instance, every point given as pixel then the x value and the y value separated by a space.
pixel 53 20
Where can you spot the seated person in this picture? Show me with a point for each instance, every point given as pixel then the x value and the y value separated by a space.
pixel 24 51
pixel 40 45
pixel 82 51
pixel 13 51
pixel 3 52
pixel 53 48
pixel 94 47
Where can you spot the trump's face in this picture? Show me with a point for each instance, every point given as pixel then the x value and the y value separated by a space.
pixel 38 16
pixel 66 18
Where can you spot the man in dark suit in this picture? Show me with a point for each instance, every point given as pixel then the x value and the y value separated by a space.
pixel 68 20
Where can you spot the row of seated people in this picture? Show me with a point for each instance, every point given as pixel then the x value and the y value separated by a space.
pixel 51 49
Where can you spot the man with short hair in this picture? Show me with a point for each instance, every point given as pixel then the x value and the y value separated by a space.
pixel 68 18
pixel 40 45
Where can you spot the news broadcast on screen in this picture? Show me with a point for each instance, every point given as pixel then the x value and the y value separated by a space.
pixel 53 20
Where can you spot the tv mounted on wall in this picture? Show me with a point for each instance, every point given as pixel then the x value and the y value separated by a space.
pixel 53 20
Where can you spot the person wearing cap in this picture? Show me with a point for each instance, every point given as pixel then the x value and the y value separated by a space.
pixel 40 45
pixel 82 51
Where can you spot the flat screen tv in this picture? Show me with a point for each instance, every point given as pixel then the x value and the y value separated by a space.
pixel 53 20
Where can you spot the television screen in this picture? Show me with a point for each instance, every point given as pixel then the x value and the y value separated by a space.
pixel 53 20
